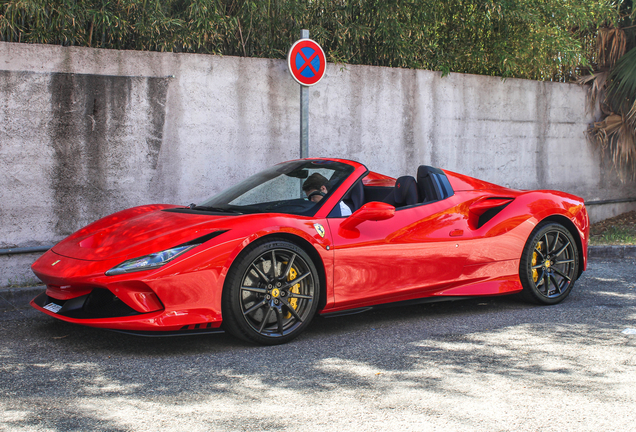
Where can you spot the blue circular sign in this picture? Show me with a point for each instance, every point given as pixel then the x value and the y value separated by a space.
pixel 306 62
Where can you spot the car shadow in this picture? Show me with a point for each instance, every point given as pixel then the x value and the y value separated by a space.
pixel 425 348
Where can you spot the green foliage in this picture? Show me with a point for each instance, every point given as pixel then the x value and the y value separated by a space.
pixel 537 39
pixel 621 94
pixel 614 236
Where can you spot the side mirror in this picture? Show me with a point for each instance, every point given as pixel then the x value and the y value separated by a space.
pixel 373 211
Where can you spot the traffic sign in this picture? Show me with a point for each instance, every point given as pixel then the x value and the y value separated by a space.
pixel 306 62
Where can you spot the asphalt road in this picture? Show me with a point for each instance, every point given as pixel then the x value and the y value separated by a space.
pixel 483 365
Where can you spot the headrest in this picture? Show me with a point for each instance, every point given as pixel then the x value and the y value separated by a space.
pixel 427 183
pixel 425 170
pixel 405 188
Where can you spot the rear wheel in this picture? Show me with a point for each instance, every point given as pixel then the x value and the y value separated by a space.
pixel 271 293
pixel 549 264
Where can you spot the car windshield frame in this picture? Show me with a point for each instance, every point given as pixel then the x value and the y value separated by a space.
pixel 283 182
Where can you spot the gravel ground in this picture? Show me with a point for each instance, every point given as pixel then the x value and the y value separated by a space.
pixel 486 364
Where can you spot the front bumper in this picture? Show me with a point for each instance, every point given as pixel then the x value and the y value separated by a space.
pixel 79 292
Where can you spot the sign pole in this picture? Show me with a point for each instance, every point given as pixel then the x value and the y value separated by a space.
pixel 304 112
pixel 307 64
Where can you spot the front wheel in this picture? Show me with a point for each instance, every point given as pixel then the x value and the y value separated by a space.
pixel 271 293
pixel 549 264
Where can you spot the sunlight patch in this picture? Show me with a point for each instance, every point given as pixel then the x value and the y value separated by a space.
pixel 600 279
pixel 349 366
pixel 14 416
pixel 630 296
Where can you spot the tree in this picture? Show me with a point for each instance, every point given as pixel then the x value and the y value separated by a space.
pixel 535 39
pixel 613 90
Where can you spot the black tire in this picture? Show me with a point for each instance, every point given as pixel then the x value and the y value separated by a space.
pixel 271 293
pixel 549 264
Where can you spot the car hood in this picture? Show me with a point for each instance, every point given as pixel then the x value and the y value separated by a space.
pixel 137 232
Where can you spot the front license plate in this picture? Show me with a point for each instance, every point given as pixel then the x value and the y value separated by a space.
pixel 55 308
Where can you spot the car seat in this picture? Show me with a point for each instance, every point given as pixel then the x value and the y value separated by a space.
pixel 433 184
pixel 404 193
pixel 354 198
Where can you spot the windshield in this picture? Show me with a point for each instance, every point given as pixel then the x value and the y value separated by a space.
pixel 279 189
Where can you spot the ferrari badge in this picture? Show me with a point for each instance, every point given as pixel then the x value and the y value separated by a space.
pixel 319 229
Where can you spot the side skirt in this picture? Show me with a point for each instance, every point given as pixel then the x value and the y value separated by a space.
pixel 181 332
pixel 394 304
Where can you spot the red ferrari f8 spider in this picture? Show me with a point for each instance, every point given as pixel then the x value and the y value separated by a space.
pixel 262 258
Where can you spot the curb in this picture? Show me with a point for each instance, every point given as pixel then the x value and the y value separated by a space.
pixel 611 251
pixel 18 298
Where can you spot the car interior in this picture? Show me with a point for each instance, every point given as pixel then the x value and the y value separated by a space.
pixel 431 185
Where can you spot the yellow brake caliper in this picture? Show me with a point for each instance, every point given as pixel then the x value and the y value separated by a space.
pixel 293 302
pixel 535 273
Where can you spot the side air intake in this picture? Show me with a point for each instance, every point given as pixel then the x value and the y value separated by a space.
pixel 482 211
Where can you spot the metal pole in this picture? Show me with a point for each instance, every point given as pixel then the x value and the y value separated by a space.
pixel 304 112
pixel 25 250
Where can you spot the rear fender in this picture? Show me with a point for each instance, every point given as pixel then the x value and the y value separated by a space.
pixel 544 206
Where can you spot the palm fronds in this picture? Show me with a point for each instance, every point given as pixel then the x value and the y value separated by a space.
pixel 610 46
pixel 596 91
pixel 612 90
pixel 621 92
pixel 617 134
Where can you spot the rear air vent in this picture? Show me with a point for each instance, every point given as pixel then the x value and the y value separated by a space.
pixel 483 210
pixel 489 214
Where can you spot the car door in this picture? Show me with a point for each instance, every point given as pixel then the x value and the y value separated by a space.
pixel 407 256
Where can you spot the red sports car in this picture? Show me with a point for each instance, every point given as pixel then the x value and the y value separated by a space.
pixel 313 236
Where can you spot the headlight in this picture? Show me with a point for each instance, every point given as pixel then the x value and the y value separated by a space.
pixel 149 262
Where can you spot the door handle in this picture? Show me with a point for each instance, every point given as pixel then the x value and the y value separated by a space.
pixel 456 233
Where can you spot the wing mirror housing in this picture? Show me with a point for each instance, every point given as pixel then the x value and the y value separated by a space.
pixel 373 211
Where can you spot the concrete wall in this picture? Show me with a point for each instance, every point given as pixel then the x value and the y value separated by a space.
pixel 86 132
